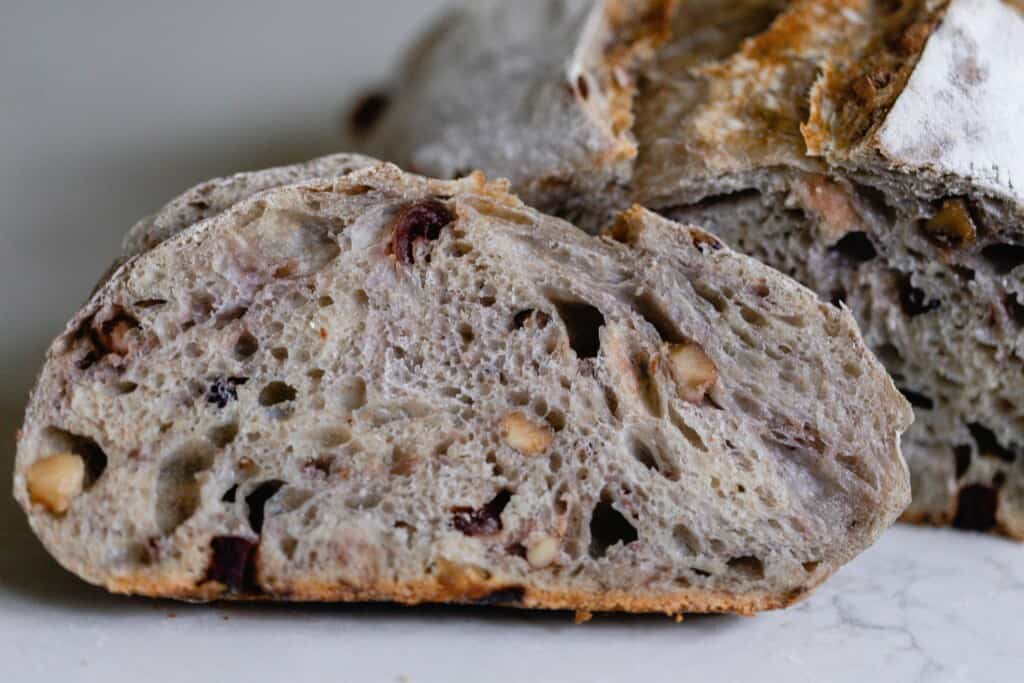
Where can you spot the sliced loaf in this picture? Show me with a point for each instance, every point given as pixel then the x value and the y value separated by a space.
pixel 384 387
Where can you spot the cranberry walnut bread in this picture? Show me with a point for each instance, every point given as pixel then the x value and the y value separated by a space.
pixel 384 387
pixel 871 149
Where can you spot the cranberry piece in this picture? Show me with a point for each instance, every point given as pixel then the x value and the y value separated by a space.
pixel 483 521
pixel 233 563
pixel 421 220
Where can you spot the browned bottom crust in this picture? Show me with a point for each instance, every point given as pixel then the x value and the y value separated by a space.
pixel 438 591
pixel 940 519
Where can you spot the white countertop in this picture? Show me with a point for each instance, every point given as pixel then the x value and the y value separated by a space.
pixel 111 108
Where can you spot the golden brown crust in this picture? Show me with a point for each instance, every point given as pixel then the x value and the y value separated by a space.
pixel 943 519
pixel 436 590
pixel 856 90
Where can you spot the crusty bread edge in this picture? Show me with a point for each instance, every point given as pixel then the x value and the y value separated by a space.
pixel 429 591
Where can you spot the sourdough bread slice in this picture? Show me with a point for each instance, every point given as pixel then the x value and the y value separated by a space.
pixel 384 387
pixel 872 150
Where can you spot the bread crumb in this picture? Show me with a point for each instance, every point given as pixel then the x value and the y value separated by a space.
pixel 583 616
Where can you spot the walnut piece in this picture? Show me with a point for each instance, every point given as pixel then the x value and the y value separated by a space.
pixel 694 372
pixel 525 436
pixel 952 226
pixel 55 480
pixel 542 552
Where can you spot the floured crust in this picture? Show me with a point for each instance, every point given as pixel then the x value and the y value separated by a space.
pixel 936 92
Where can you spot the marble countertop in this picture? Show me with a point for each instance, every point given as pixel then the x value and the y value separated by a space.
pixel 922 605
pixel 111 108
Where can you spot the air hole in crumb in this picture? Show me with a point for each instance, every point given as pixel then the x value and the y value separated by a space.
pixel 315 374
pixel 222 435
pixel 466 333
pixel 556 419
pixel 230 315
pixel 325 301
pixel 988 444
pixel 87 449
pixel 1014 309
pixel 230 495
pixel 747 566
pixel 519 398
pixel 688 432
pixel 582 323
pixel 916 399
pixel 360 298
pixel 288 544
pixel 126 388
pixel 353 394
pixel 753 317
pixel 961 459
pixel 612 401
pixel 177 487
pixel 855 247
pixel 608 527
pixel 711 296
pixel 276 393
pixel 1003 257
pixel 555 462
pixel 686 538
pixel 246 346
pixel 279 353
pixel 914 301
pixel 649 390
pixel 256 502
pixel 811 567
pixel 651 309
pixel 852 370
pixel 332 437
pixel 582 87
pixel 531 319
pixel 976 508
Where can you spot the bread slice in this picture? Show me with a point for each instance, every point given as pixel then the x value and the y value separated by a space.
pixel 384 387
pixel 868 148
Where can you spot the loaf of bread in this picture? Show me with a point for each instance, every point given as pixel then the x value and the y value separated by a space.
pixel 383 387
pixel 871 149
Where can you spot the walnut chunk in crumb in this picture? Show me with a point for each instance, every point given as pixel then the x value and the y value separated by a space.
pixel 55 480
pixel 952 226
pixel 542 551
pixel 524 435
pixel 693 371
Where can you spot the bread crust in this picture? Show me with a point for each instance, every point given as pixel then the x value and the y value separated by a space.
pixel 435 592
